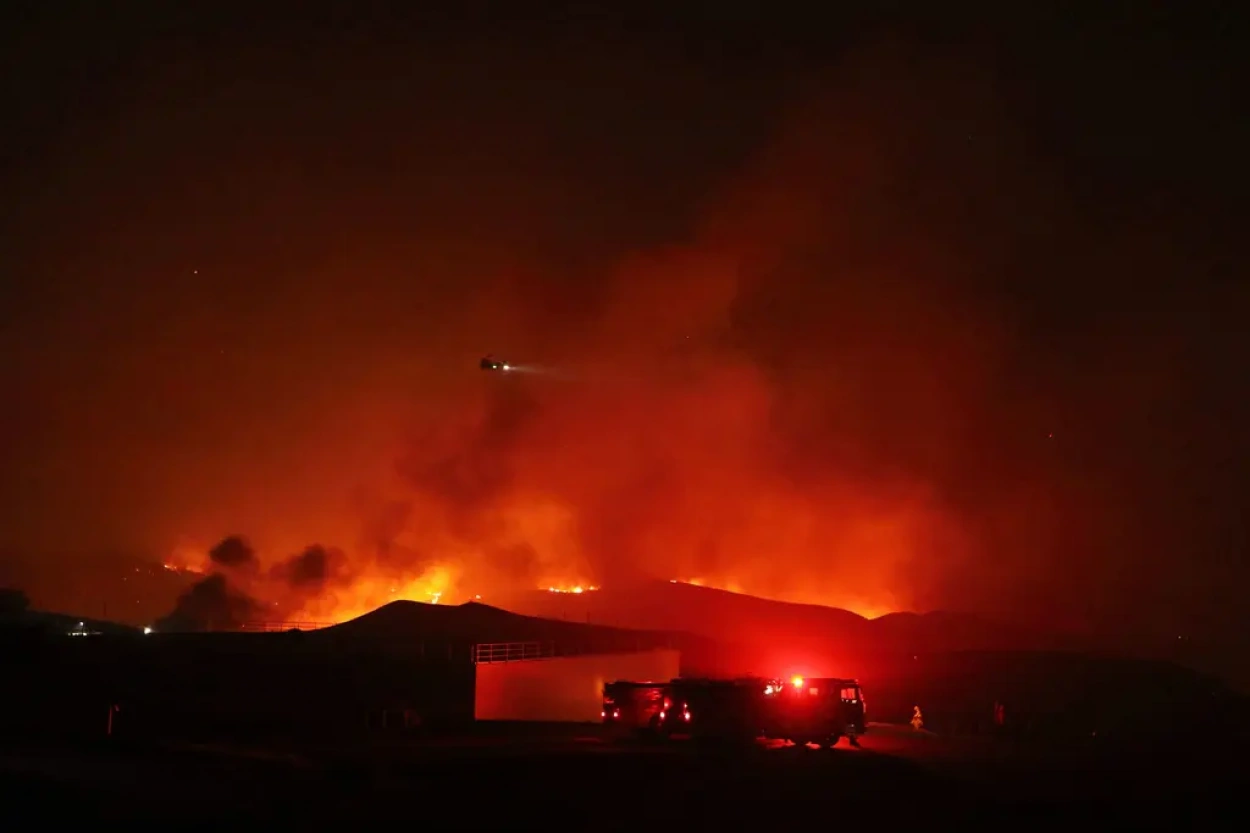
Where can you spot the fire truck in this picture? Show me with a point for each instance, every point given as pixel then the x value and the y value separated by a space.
pixel 814 710
pixel 803 711
pixel 706 709
pixel 685 707
pixel 642 707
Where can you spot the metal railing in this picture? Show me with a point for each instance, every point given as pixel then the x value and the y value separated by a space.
pixel 484 652
pixel 281 627
pixel 512 651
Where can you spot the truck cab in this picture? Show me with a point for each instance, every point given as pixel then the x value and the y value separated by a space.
pixel 815 710
pixel 639 706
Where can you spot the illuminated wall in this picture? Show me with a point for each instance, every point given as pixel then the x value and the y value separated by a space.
pixel 562 689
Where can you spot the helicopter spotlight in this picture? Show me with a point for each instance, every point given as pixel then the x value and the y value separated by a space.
pixel 492 363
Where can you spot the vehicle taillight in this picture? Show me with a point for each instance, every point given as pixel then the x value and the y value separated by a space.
pixel 685 716
pixel 616 713
pixel 662 715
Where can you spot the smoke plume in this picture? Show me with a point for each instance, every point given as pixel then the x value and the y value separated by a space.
pixel 850 380
pixel 236 593
pixel 233 553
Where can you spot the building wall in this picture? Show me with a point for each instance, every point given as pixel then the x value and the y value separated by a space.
pixel 563 689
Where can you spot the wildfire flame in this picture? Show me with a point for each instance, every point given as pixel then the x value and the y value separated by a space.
pixel 182 568
pixel 575 589
pixel 363 591
pixel 437 585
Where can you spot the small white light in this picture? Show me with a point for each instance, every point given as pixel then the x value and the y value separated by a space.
pixel 507 367
pixel 147 631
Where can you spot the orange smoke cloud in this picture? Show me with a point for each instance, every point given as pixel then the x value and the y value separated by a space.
pixel 787 404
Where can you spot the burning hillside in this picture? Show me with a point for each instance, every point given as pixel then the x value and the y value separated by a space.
pixel 322 585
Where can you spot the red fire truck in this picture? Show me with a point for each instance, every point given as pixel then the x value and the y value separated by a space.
pixel 814 710
pixel 695 708
pixel 706 709
pixel 639 706
pixel 803 711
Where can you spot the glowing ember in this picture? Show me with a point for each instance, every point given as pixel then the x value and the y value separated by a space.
pixel 176 568
pixel 575 589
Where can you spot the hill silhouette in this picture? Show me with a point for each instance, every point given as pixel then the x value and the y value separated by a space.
pixel 475 622
pixel 61 624
pixel 417 628
pixel 800 628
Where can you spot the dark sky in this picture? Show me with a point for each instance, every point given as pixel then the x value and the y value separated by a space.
pixel 883 309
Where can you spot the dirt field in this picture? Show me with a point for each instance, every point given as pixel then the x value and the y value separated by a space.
pixel 580 780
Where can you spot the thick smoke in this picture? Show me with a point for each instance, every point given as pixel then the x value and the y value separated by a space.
pixel 233 553
pixel 311 569
pixel 236 592
pixel 790 403
pixel 829 390
pixel 212 603
pixel 829 393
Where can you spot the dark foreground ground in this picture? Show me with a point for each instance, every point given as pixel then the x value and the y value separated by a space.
pixel 579 780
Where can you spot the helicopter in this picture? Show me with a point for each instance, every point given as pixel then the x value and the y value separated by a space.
pixel 492 363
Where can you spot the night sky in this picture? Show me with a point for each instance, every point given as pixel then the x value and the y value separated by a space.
pixel 881 309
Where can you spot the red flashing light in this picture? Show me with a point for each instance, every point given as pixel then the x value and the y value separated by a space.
pixel 662 715
pixel 685 716
pixel 797 682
